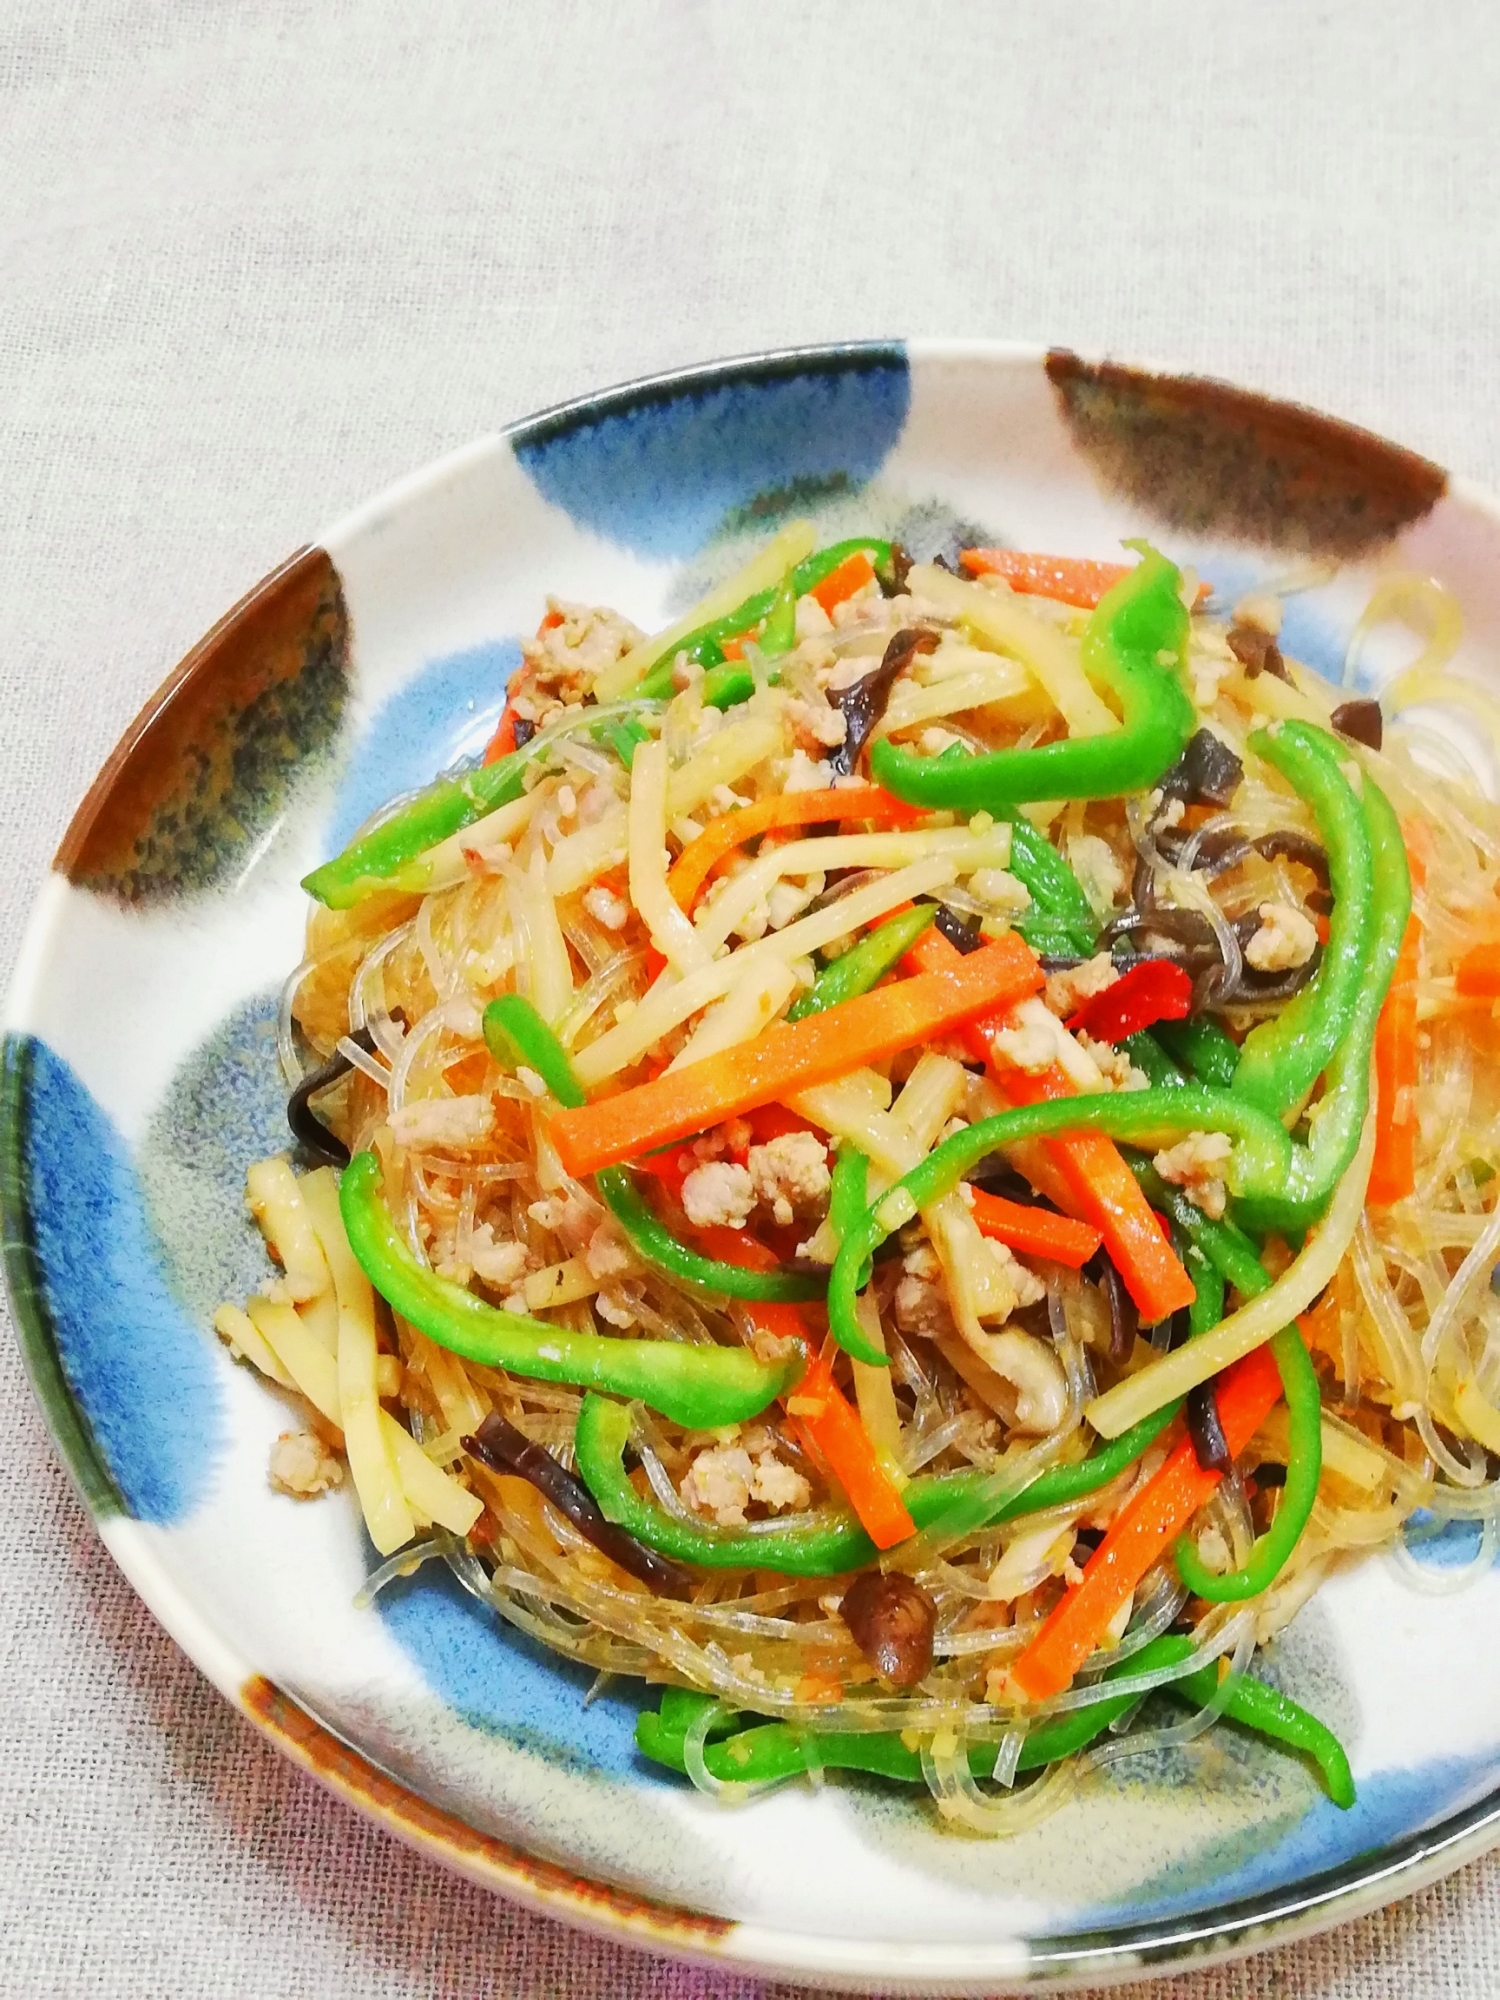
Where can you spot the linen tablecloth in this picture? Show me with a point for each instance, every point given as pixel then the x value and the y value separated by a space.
pixel 257 261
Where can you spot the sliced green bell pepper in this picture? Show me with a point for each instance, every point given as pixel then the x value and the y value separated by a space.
pixel 1339 1115
pixel 1135 647
pixel 1060 920
pixel 864 964
pixel 706 645
pixel 386 857
pixel 1203 1046
pixel 948 1503
pixel 1282 1059
pixel 698 1386
pixel 766 1753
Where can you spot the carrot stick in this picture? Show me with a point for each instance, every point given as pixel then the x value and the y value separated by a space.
pixel 794 1056
pixel 1141 1533
pixel 1103 1189
pixel 1106 1193
pixel 829 1424
pixel 1393 1170
pixel 852 574
pixel 700 857
pixel 1036 1232
pixel 825 1421
pixel 1070 579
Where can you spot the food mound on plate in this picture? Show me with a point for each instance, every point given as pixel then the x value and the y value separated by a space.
pixel 909 1160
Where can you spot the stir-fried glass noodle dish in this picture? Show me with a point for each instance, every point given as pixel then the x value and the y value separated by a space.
pixel 909 1161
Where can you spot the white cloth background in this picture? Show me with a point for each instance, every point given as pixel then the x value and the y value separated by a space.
pixel 258 260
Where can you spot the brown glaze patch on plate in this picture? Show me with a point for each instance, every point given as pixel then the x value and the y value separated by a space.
pixel 1209 459
pixel 446 1838
pixel 205 770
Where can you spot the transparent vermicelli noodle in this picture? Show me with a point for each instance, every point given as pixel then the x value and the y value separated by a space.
pixel 912 1162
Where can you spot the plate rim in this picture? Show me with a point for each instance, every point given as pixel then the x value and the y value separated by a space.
pixel 1052 1963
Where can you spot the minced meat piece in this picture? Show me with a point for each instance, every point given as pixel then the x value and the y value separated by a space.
pixel 815 725
pixel 606 908
pixel 1067 990
pixel 1118 1071
pixel 1286 938
pixel 790 1175
pixel 718 1193
pixel 497 1263
pixel 561 662
pixel 1099 873
pixel 1195 1165
pixel 302 1465
pixel 724 1480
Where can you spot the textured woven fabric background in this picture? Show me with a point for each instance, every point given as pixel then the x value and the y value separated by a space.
pixel 257 261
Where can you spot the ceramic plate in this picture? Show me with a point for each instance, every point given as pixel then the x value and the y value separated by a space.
pixel 141 1077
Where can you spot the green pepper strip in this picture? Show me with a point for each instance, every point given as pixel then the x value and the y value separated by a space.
pixel 847 1199
pixel 1318 1167
pixel 626 737
pixel 779 633
pixel 1208 1052
pixel 1137 622
pixel 383 858
pixel 837 1543
pixel 1299 1383
pixel 777 1750
pixel 849 1196
pixel 706 644
pixel 516 1033
pixel 1255 1706
pixel 1061 919
pixel 697 1386
pixel 1207 1308
pixel 1282 1059
pixel 865 964
pixel 1148 1055
pixel 1260 1160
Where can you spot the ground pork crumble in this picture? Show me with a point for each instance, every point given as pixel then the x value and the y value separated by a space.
pixel 1286 938
pixel 303 1466
pixel 790 1175
pixel 1066 991
pixel 724 1480
pixel 560 664
pixel 1195 1165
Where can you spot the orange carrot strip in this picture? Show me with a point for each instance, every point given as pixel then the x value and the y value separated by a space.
pixel 832 1434
pixel 1106 1193
pixel 836 1436
pixel 1393 1171
pixel 852 574
pixel 1103 1189
pixel 700 857
pixel 1035 1232
pixel 1070 579
pixel 794 1056
pixel 1477 976
pixel 1141 1533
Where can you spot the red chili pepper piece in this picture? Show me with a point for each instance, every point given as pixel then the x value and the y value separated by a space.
pixel 1155 990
